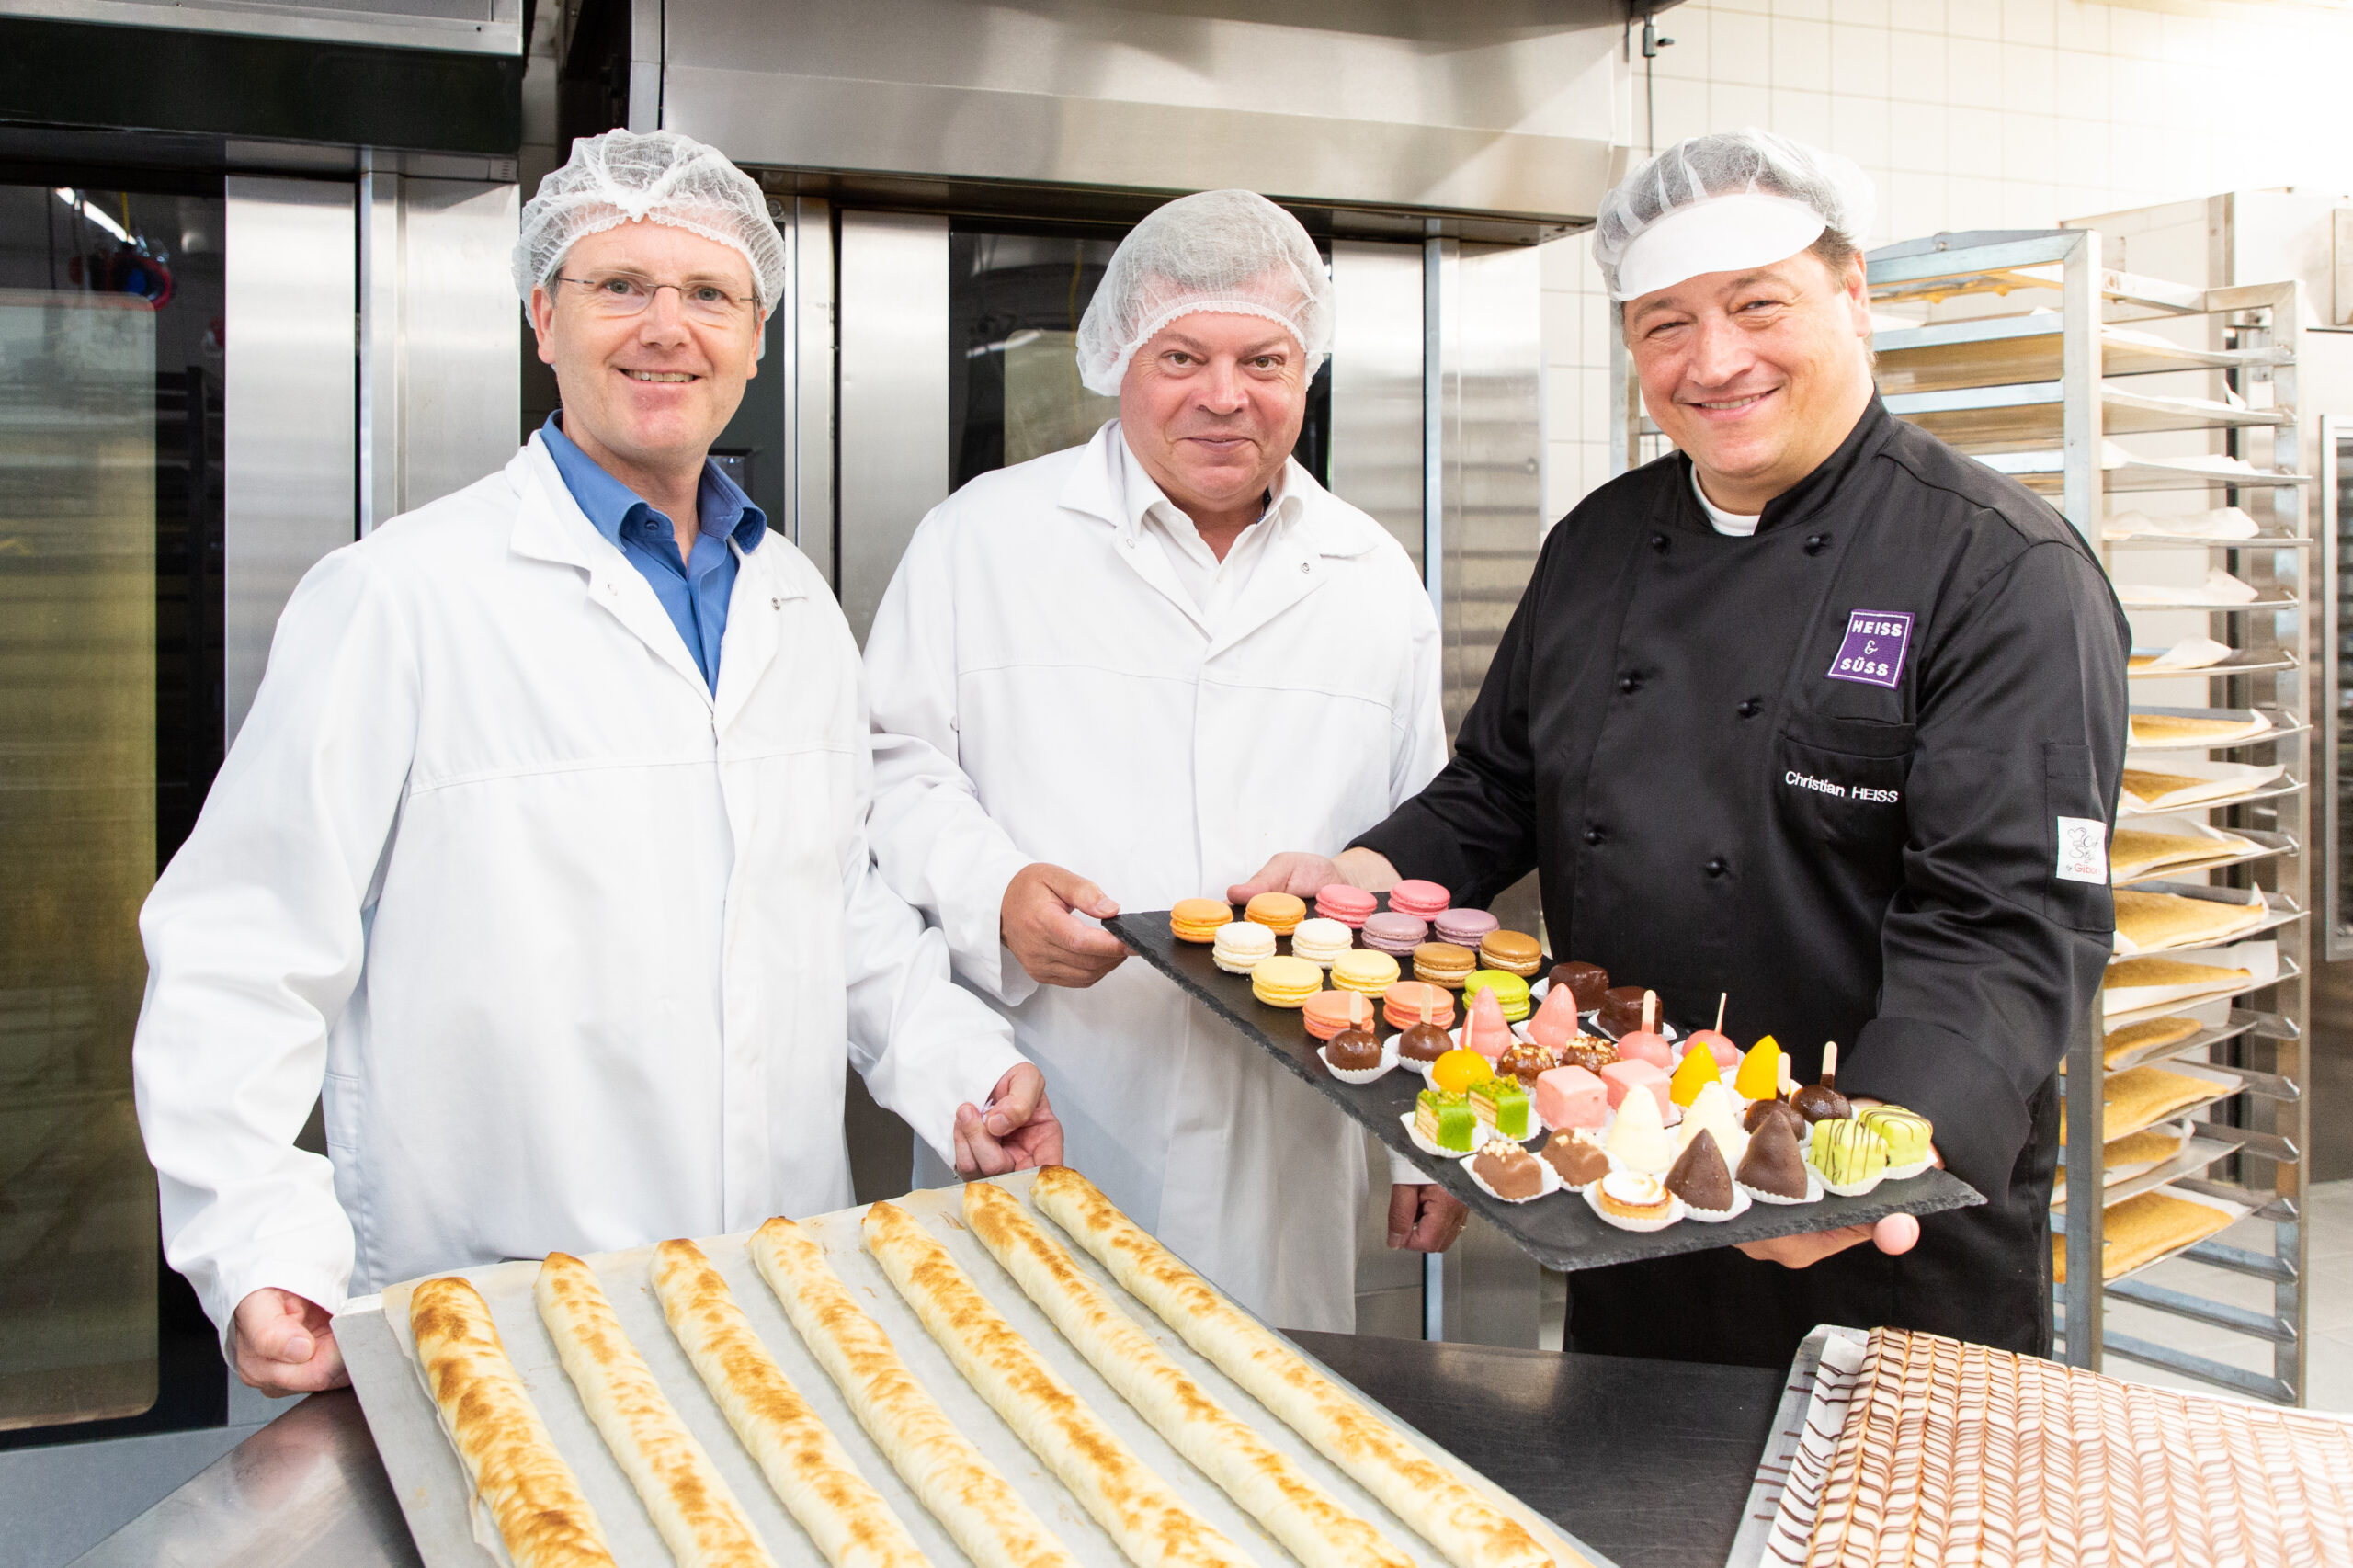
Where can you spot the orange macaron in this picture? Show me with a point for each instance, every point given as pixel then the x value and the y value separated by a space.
pixel 1278 912
pixel 1329 1012
pixel 1197 919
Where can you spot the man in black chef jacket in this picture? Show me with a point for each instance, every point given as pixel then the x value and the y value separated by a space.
pixel 1817 711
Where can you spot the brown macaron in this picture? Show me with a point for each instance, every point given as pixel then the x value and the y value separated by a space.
pixel 1514 952
pixel 1444 963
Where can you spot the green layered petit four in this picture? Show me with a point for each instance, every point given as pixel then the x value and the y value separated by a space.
pixel 1845 1153
pixel 1445 1122
pixel 1907 1133
pixel 1501 1103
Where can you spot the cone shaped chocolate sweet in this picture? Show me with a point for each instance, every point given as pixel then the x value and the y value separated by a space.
pixel 1701 1177
pixel 1774 1165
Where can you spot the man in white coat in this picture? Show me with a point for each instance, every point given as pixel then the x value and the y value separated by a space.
pixel 1128 673
pixel 542 852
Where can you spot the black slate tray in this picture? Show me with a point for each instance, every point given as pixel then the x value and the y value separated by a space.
pixel 1559 1232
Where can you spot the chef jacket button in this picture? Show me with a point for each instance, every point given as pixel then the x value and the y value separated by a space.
pixel 1630 684
pixel 1717 867
pixel 1658 542
pixel 1813 543
pixel 1303 566
pixel 1594 835
pixel 1748 707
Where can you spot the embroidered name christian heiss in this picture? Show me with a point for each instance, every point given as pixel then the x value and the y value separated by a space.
pixel 1874 647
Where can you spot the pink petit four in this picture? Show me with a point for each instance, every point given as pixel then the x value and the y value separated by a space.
pixel 1555 1023
pixel 1641 1045
pixel 1571 1096
pixel 1416 897
pixel 1719 1046
pixel 1621 1078
pixel 1487 1033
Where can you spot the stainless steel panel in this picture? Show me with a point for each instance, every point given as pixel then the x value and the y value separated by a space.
pixel 473 27
pixel 439 383
pixel 2335 470
pixel 810 372
pixel 1503 108
pixel 1376 454
pixel 894 380
pixel 308 1488
pixel 1487 459
pixel 290 465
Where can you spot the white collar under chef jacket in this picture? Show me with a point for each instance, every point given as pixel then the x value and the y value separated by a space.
pixel 1213 585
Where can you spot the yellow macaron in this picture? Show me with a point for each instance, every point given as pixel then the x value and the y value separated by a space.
pixel 1285 982
pixel 1367 969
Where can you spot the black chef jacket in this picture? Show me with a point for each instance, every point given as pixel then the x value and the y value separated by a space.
pixel 1826 770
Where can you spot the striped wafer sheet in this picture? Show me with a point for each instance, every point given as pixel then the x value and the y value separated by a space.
pixel 1957 1454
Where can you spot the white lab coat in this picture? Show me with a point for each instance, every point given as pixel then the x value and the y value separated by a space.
pixel 576 943
pixel 1044 690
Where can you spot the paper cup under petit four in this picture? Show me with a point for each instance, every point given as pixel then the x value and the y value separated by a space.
pixel 1362 1076
pixel 1551 1179
pixel 1740 1201
pixel 1480 1134
pixel 1634 1202
pixel 1843 1146
pixel 1905 1173
pixel 1813 1190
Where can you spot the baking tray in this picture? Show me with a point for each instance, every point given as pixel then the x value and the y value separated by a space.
pixel 451 1533
pixel 1559 1232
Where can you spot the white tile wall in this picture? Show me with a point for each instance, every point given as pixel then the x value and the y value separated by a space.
pixel 1973 114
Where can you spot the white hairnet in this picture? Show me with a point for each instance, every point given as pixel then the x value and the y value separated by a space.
pixel 656 177
pixel 1232 252
pixel 1723 201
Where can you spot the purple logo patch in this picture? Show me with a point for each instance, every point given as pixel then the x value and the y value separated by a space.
pixel 1873 650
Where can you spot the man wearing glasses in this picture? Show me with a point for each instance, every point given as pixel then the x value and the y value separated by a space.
pixel 541 860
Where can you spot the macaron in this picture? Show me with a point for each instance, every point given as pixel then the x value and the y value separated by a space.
pixel 1403 1004
pixel 1365 969
pixel 1511 992
pixel 1242 946
pixel 1397 935
pixel 1349 906
pixel 1444 963
pixel 1514 952
pixel 1286 981
pixel 1321 941
pixel 1424 899
pixel 1329 1012
pixel 1278 912
pixel 1465 927
pixel 1197 919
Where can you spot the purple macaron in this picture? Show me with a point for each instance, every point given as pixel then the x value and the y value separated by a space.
pixel 1395 933
pixel 1464 926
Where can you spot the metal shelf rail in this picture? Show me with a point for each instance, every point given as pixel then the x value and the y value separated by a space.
pixel 2041 391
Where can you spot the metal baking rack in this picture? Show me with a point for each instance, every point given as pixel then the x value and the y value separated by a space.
pixel 2034 358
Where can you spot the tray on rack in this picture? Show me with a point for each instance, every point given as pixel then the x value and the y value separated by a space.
pixel 1558 1230
pixel 450 1533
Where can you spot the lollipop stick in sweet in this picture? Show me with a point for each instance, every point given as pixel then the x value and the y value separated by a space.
pixel 1822 1101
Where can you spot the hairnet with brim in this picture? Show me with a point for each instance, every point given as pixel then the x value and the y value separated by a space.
pixel 654 177
pixel 1725 201
pixel 1222 252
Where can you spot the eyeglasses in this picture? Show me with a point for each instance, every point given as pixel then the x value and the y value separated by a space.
pixel 626 294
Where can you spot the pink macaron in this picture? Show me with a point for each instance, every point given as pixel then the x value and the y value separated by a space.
pixel 1426 899
pixel 1345 904
pixel 1465 927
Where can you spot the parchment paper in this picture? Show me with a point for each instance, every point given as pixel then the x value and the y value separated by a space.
pixel 442 1515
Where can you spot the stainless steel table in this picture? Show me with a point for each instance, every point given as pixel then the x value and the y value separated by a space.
pixel 1649 1462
